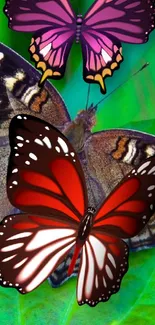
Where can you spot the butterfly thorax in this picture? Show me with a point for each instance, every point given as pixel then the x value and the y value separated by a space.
pixel 85 226
pixel 78 27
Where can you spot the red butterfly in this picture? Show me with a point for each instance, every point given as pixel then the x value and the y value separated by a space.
pixel 45 179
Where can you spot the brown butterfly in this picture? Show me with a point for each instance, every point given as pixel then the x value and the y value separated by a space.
pixel 106 156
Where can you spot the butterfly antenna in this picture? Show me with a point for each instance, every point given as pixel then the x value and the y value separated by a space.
pixel 123 83
pixel 88 97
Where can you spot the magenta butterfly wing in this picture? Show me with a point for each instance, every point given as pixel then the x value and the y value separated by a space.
pixel 106 24
pixel 54 24
pixel 46 181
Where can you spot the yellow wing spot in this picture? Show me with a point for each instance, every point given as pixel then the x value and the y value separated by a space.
pixel 120 50
pixel 106 71
pixel 32 41
pixel 114 65
pixel 41 65
pixel 46 74
pixel 32 49
pixel 99 79
pixel 90 77
pixel 118 58
pixel 36 57
pixel 56 73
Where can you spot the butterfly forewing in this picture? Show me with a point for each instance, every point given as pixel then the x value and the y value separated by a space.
pixel 131 204
pixel 44 172
pixel 31 248
pixel 104 262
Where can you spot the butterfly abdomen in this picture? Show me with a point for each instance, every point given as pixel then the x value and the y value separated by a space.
pixel 85 226
pixel 78 27
pixel 83 233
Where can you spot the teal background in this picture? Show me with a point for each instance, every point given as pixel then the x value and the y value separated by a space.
pixel 131 106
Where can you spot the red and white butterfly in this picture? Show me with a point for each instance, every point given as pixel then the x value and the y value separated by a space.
pixel 45 180
pixel 106 24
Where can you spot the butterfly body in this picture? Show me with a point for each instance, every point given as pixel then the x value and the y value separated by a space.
pixel 79 21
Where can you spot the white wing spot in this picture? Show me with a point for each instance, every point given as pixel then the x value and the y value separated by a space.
pixel 27 162
pixel 112 260
pixel 20 235
pixel 150 188
pixel 27 141
pixel 143 166
pixel 19 138
pixel 16 154
pixel 15 171
pixel 20 145
pixel 15 182
pixel 152 170
pixel 109 273
pixel 47 128
pixel 19 117
pixel 11 247
pixel 20 263
pixel 63 145
pixel 106 57
pixel 96 281
pixel 9 258
pixel 33 156
pixel 72 154
pixel 1 56
pixel 57 149
pixel 98 247
pixel 47 141
pixel 104 282
pixel 46 49
pixel 38 141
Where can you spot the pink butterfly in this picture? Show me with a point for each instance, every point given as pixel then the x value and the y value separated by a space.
pixel 106 24
pixel 45 179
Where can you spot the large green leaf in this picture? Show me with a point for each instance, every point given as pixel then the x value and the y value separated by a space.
pixel 134 303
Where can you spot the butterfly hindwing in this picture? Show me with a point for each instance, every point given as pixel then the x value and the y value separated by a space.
pixel 36 180
pixel 104 262
pixel 31 247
